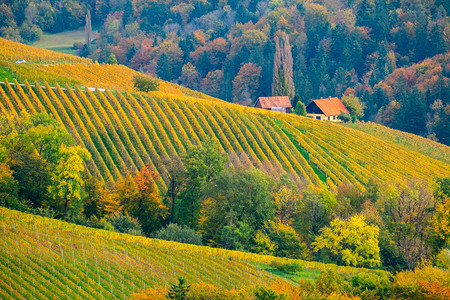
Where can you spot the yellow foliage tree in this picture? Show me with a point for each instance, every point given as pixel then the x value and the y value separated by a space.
pixel 353 242
pixel 67 179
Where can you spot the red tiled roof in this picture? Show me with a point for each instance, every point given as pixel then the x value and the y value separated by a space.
pixel 331 106
pixel 279 101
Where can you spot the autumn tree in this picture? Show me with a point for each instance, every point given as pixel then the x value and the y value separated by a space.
pixel 140 199
pixel 213 84
pixel 283 82
pixel 246 83
pixel 287 203
pixel 406 208
pixel 352 242
pixel 190 77
pixel 88 30
pixel 67 181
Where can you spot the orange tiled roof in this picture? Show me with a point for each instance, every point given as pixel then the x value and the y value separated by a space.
pixel 278 101
pixel 331 106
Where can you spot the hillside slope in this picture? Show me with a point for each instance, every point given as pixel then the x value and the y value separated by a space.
pixel 125 131
pixel 43 258
pixel 407 140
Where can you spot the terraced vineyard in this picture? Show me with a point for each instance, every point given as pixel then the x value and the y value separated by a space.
pixel 44 258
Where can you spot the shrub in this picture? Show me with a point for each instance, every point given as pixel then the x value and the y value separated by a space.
pixel 424 283
pixel 145 84
pixel 345 117
pixel 330 282
pixel 181 234
pixel 377 285
pixel 262 293
pixel 124 224
pixel 44 212
pixel 290 268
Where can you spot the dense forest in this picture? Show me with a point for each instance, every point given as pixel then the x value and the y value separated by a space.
pixel 237 50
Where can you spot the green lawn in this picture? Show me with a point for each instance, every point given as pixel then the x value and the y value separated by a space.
pixel 62 41
pixel 6 73
pixel 305 274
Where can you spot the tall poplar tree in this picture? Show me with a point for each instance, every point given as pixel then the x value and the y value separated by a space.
pixel 283 82
pixel 88 30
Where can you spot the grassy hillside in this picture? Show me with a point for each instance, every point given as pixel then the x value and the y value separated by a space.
pixel 62 41
pixel 45 258
pixel 125 131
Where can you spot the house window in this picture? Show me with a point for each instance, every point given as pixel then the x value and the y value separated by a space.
pixel 334 117
pixel 318 117
pixel 329 118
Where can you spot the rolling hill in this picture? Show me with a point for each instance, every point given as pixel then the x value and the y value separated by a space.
pixel 125 130
pixel 43 258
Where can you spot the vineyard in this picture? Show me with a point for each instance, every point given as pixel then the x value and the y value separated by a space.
pixel 407 140
pixel 124 130
pixel 53 67
pixel 44 258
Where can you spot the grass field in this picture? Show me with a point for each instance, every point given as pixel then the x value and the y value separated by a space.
pixel 62 41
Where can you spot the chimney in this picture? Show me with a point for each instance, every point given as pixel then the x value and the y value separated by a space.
pixel 329 97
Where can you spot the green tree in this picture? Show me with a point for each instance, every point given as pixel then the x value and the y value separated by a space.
pixel 164 68
pixel 354 106
pixel 300 109
pixel 33 175
pixel 9 188
pixel 145 83
pixel 283 82
pixel 31 147
pixel 288 242
pixel 112 60
pixel 238 204
pixel 203 163
pixel 319 203
pixel 352 242
pixel 178 291
pixel 93 190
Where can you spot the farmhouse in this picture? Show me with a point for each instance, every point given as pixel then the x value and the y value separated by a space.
pixel 278 103
pixel 326 109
